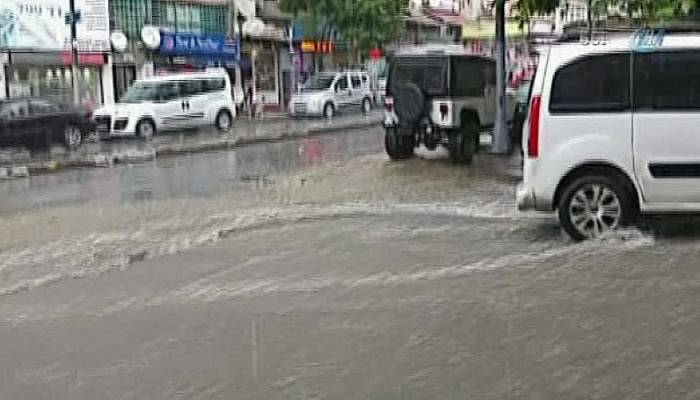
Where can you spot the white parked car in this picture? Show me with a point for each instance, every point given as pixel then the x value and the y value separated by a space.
pixel 613 131
pixel 329 92
pixel 169 102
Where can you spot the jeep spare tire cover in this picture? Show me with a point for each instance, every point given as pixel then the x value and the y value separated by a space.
pixel 409 103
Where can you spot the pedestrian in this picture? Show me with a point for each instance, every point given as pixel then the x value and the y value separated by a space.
pixel 250 101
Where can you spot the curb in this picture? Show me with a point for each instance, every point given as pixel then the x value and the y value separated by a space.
pixel 129 157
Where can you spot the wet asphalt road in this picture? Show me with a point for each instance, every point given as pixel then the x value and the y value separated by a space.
pixel 317 269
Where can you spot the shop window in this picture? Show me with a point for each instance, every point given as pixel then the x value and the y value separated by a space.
pixel 265 72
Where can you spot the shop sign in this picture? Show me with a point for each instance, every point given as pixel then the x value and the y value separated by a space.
pixel 317 46
pixel 203 46
pixel 41 25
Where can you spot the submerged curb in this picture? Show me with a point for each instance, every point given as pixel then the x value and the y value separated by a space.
pixel 128 157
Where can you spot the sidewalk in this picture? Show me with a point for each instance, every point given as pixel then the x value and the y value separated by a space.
pixel 20 162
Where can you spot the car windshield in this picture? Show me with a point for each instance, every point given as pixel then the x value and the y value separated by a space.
pixel 141 91
pixel 319 82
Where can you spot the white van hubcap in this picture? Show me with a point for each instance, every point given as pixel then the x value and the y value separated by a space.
pixel 595 209
pixel 146 130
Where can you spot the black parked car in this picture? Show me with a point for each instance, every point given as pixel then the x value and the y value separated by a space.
pixel 39 122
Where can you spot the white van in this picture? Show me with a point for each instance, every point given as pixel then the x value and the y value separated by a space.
pixel 170 102
pixel 329 92
pixel 613 131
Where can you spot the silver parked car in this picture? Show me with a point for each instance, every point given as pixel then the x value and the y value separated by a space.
pixel 329 92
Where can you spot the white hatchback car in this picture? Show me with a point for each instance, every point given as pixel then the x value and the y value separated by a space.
pixel 613 131
pixel 329 92
pixel 169 102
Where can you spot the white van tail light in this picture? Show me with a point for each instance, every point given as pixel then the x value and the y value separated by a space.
pixel 533 140
pixel 389 104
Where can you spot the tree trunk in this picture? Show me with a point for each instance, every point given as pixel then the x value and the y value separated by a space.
pixel 501 140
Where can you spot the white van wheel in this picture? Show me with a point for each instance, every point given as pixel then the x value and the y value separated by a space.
pixel 366 105
pixel 145 129
pixel 223 121
pixel 593 205
pixel 328 110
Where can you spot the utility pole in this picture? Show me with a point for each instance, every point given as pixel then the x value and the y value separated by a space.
pixel 75 70
pixel 501 140
pixel 589 17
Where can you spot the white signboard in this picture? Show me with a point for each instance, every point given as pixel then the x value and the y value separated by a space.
pixel 41 25
pixel 93 27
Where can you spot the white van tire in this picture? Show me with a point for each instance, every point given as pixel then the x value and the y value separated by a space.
pixel 366 105
pixel 328 110
pixel 223 121
pixel 145 129
pixel 593 205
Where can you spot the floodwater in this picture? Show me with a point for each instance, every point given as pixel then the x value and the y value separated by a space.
pixel 318 269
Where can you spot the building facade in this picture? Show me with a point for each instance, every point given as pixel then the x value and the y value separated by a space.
pixel 35 50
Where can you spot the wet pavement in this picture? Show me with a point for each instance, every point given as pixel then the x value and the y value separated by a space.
pixel 318 269
pixel 128 148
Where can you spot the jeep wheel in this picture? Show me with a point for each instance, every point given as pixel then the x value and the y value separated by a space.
pixel 463 143
pixel 398 146
pixel 409 103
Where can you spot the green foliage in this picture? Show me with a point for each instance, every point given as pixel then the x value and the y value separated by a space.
pixel 366 23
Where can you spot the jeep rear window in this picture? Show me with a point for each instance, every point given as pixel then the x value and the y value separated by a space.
pixel 428 74
pixel 470 76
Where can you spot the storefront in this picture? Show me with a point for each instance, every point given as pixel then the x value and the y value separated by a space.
pixel 38 57
pixel 261 60
pixel 125 70
pixel 49 75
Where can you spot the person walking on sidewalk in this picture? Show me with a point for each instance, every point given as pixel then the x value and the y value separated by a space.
pixel 250 101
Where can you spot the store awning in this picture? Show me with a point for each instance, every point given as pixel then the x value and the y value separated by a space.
pixel 486 29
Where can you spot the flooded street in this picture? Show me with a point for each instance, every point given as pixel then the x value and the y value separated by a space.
pixel 317 269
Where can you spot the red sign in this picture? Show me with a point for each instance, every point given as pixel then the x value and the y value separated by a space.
pixel 376 53
pixel 84 58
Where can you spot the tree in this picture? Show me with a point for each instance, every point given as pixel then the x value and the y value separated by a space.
pixel 366 23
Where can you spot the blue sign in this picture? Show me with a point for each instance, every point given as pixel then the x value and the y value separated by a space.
pixel 210 47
